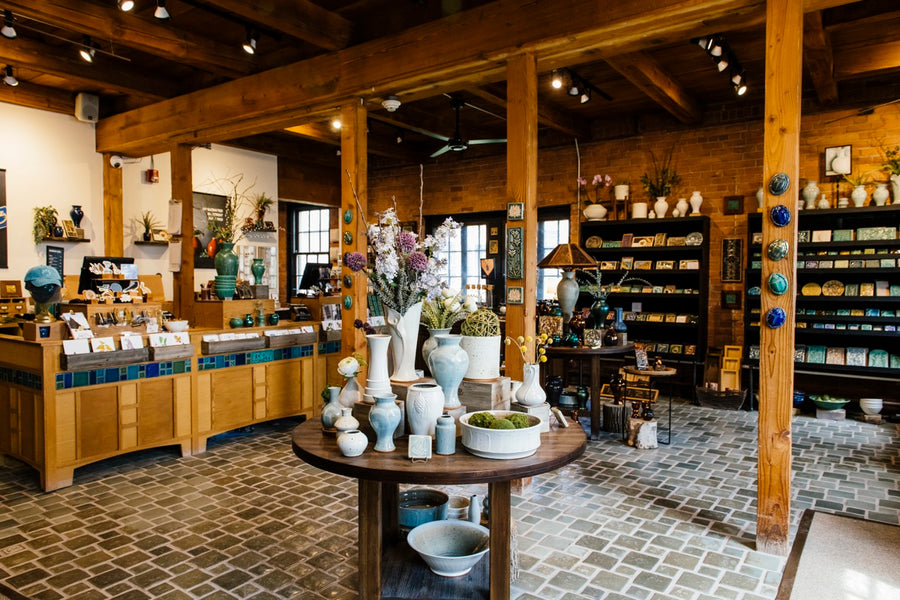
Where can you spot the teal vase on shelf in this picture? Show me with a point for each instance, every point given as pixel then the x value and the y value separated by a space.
pixel 226 261
pixel 257 268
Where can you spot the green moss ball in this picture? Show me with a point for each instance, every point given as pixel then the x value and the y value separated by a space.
pixel 482 419
pixel 519 420
pixel 502 424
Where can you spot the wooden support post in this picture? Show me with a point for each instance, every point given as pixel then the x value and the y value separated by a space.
pixel 113 224
pixel 521 186
pixel 501 515
pixel 354 169
pixel 369 501
pixel 182 189
pixel 784 53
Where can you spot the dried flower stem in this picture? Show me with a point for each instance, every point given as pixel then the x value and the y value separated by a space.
pixel 362 214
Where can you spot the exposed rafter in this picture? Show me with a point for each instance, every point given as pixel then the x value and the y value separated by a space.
pixel 324 133
pixel 36 96
pixel 818 58
pixel 547 115
pixel 648 75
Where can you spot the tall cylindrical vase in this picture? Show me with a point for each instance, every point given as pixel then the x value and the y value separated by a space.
pixel 448 364
pixel 530 392
pixel 404 336
pixel 424 404
pixel 431 343
pixel 226 261
pixel 377 380
pixel 384 418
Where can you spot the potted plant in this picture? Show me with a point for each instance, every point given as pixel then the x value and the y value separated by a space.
pixel 594 211
pixel 660 180
pixel 149 223
pixel 481 341
pixel 261 203
pixel 892 166
pixel 44 223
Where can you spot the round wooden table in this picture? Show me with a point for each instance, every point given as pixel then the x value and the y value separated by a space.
pixel 595 355
pixel 379 474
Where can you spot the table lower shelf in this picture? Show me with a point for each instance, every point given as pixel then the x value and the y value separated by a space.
pixel 405 576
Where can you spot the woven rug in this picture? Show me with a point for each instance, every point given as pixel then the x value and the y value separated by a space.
pixel 842 558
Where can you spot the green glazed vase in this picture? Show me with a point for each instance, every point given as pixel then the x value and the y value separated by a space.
pixel 226 261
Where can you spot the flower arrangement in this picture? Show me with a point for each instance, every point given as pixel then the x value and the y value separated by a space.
pixel 446 310
pixel 591 193
pixel 857 179
pixel 892 160
pixel 533 348
pixel 406 269
pixel 349 366
pixel 662 177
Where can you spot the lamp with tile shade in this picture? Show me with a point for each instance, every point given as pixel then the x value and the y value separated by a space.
pixel 567 257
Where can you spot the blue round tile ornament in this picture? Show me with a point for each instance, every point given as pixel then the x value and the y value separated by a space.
pixel 780 215
pixel 348 301
pixel 754 291
pixel 776 317
pixel 779 184
pixel 777 249
pixel 348 216
pixel 778 284
pixel 348 237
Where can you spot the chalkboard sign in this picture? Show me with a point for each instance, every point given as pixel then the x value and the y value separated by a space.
pixel 55 256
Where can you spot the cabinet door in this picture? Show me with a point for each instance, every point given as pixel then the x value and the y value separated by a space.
pixel 156 411
pixel 98 422
pixel 232 399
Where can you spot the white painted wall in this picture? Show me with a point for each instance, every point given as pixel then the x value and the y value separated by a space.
pixel 50 160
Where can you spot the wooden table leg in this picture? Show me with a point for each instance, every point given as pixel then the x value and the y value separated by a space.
pixel 390 518
pixel 499 496
pixel 369 510
pixel 596 410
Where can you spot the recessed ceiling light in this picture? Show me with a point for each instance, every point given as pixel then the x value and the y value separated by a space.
pixel 125 5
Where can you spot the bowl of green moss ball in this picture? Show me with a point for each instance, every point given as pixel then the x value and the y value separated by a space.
pixel 500 434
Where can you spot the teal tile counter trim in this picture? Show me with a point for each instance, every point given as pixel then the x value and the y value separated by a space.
pixel 236 359
pixel 332 347
pixel 74 379
pixel 23 378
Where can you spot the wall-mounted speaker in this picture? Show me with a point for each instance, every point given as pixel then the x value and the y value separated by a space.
pixel 87 107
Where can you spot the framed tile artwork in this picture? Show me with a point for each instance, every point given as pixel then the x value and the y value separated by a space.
pixel 514 294
pixel 514 255
pixel 515 211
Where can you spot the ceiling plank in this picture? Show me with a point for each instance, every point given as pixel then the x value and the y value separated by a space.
pixel 37 96
pixel 819 58
pixel 852 62
pixel 452 53
pixel 111 76
pixel 643 71
pixel 325 134
pixel 297 18
pixel 547 115
pixel 163 40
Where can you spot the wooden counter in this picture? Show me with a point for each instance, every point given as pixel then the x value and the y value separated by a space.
pixel 57 420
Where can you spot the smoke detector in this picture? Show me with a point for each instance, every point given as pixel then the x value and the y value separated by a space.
pixel 391 103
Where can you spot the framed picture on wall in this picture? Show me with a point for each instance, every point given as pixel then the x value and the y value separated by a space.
pixel 514 255
pixel 731 299
pixel 514 294
pixel 838 161
pixel 515 211
pixel 69 228
pixel 732 260
pixel 733 205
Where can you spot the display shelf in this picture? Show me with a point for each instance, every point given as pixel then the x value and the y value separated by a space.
pixel 150 243
pixel 66 240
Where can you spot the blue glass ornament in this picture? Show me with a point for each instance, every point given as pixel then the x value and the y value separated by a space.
pixel 780 215
pixel 777 249
pixel 778 284
pixel 776 317
pixel 779 184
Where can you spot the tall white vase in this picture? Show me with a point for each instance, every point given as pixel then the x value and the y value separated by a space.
pixel 404 336
pixel 682 207
pixel 859 195
pixel 880 195
pixel 377 380
pixel 810 194
pixel 661 207
pixel 530 392
pixel 696 202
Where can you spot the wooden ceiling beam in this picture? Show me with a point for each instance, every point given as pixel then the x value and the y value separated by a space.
pixel 853 62
pixel 288 147
pixel 858 55
pixel 122 29
pixel 818 58
pixel 325 134
pixel 452 53
pixel 300 19
pixel 645 73
pixel 37 96
pixel 547 115
pixel 45 59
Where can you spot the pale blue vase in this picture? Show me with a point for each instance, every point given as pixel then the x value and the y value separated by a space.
pixel 384 418
pixel 448 364
pixel 429 345
pixel 333 407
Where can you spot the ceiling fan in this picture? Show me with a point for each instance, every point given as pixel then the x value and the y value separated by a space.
pixel 457 143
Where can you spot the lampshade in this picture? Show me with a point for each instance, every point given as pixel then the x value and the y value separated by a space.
pixel 567 256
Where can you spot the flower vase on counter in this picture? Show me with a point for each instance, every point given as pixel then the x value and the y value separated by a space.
pixel 377 379
pixel 384 418
pixel 448 364
pixel 530 393
pixel 404 338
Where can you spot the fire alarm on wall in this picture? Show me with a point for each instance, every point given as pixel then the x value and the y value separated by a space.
pixel 151 175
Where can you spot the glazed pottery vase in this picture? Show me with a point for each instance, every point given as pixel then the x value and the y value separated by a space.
pixel 248 320
pixel 352 443
pixel 881 194
pixel 332 410
pixel 377 380
pixel 599 311
pixel 484 356
pixel 211 247
pixel 895 188
pixel 823 203
pixel 424 404
pixel 810 193
pixel 696 203
pixel 554 389
pixel 346 422
pixel 146 236
pixel 621 328
pixel 77 214
pixel 430 344
pixel 236 322
pixel 858 196
pixel 638 210
pixel 530 392
pixel 226 261
pixel 384 418
pixel 760 197
pixel 595 212
pixel 350 392
pixel 448 364
pixel 475 509
pixel 404 331
pixel 257 268
pixel 273 319
pixel 682 207
pixel 445 434
pixel 661 207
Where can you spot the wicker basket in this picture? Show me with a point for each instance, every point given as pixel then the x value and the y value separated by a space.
pixel 729 399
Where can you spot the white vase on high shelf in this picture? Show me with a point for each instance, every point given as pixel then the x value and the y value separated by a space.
pixel 895 188
pixel 858 195
pixel 595 212
pixel 661 207
pixel 810 194
pixel 881 194
pixel 696 202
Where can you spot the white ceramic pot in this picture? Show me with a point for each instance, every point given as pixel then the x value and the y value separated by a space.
pixel 823 203
pixel 424 404
pixel 620 192
pixel 881 194
pixel 346 422
pixel 500 443
pixel 639 210
pixel 696 202
pixel 531 393
pixel 484 356
pixel 595 212
pixel 661 207
pixel 352 443
pixel 858 195
pixel 871 406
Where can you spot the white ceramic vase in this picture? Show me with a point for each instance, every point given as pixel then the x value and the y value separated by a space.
pixel 810 194
pixel 881 194
pixel 639 210
pixel 760 197
pixel 350 393
pixel 404 336
pixel 682 207
pixel 448 364
pixel 424 404
pixel 530 393
pixel 352 443
pixel 661 207
pixel 823 203
pixel 346 422
pixel 332 410
pixel 484 356
pixel 696 202
pixel 430 344
pixel 858 196
pixel 595 212
pixel 895 188
pixel 377 379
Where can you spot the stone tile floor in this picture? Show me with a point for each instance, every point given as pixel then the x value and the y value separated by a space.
pixel 250 520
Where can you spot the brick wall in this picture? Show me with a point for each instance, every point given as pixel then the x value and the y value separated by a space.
pixel 718 160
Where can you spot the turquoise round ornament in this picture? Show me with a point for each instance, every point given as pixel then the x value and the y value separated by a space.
pixel 778 284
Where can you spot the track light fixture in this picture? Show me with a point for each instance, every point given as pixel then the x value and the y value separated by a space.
pixel 8 30
pixel 721 54
pixel 161 12
pixel 87 50
pixel 125 5
pixel 739 82
pixel 249 44
pixel 10 79
pixel 576 86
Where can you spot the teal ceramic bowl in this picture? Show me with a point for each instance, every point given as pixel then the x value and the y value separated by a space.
pixel 828 403
pixel 418 506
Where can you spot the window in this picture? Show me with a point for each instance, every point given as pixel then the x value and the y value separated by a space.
pixel 464 253
pixel 551 232
pixel 310 233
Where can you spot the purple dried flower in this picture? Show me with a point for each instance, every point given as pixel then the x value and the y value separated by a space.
pixel 407 241
pixel 355 261
pixel 418 262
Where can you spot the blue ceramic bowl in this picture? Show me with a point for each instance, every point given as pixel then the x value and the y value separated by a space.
pixel 422 505
pixel 450 548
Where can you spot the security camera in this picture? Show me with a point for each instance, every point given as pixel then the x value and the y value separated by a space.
pixel 116 161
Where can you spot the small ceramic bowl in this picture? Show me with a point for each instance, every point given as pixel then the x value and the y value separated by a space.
pixel 830 403
pixel 450 548
pixel 176 326
pixel 458 507
pixel 421 505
